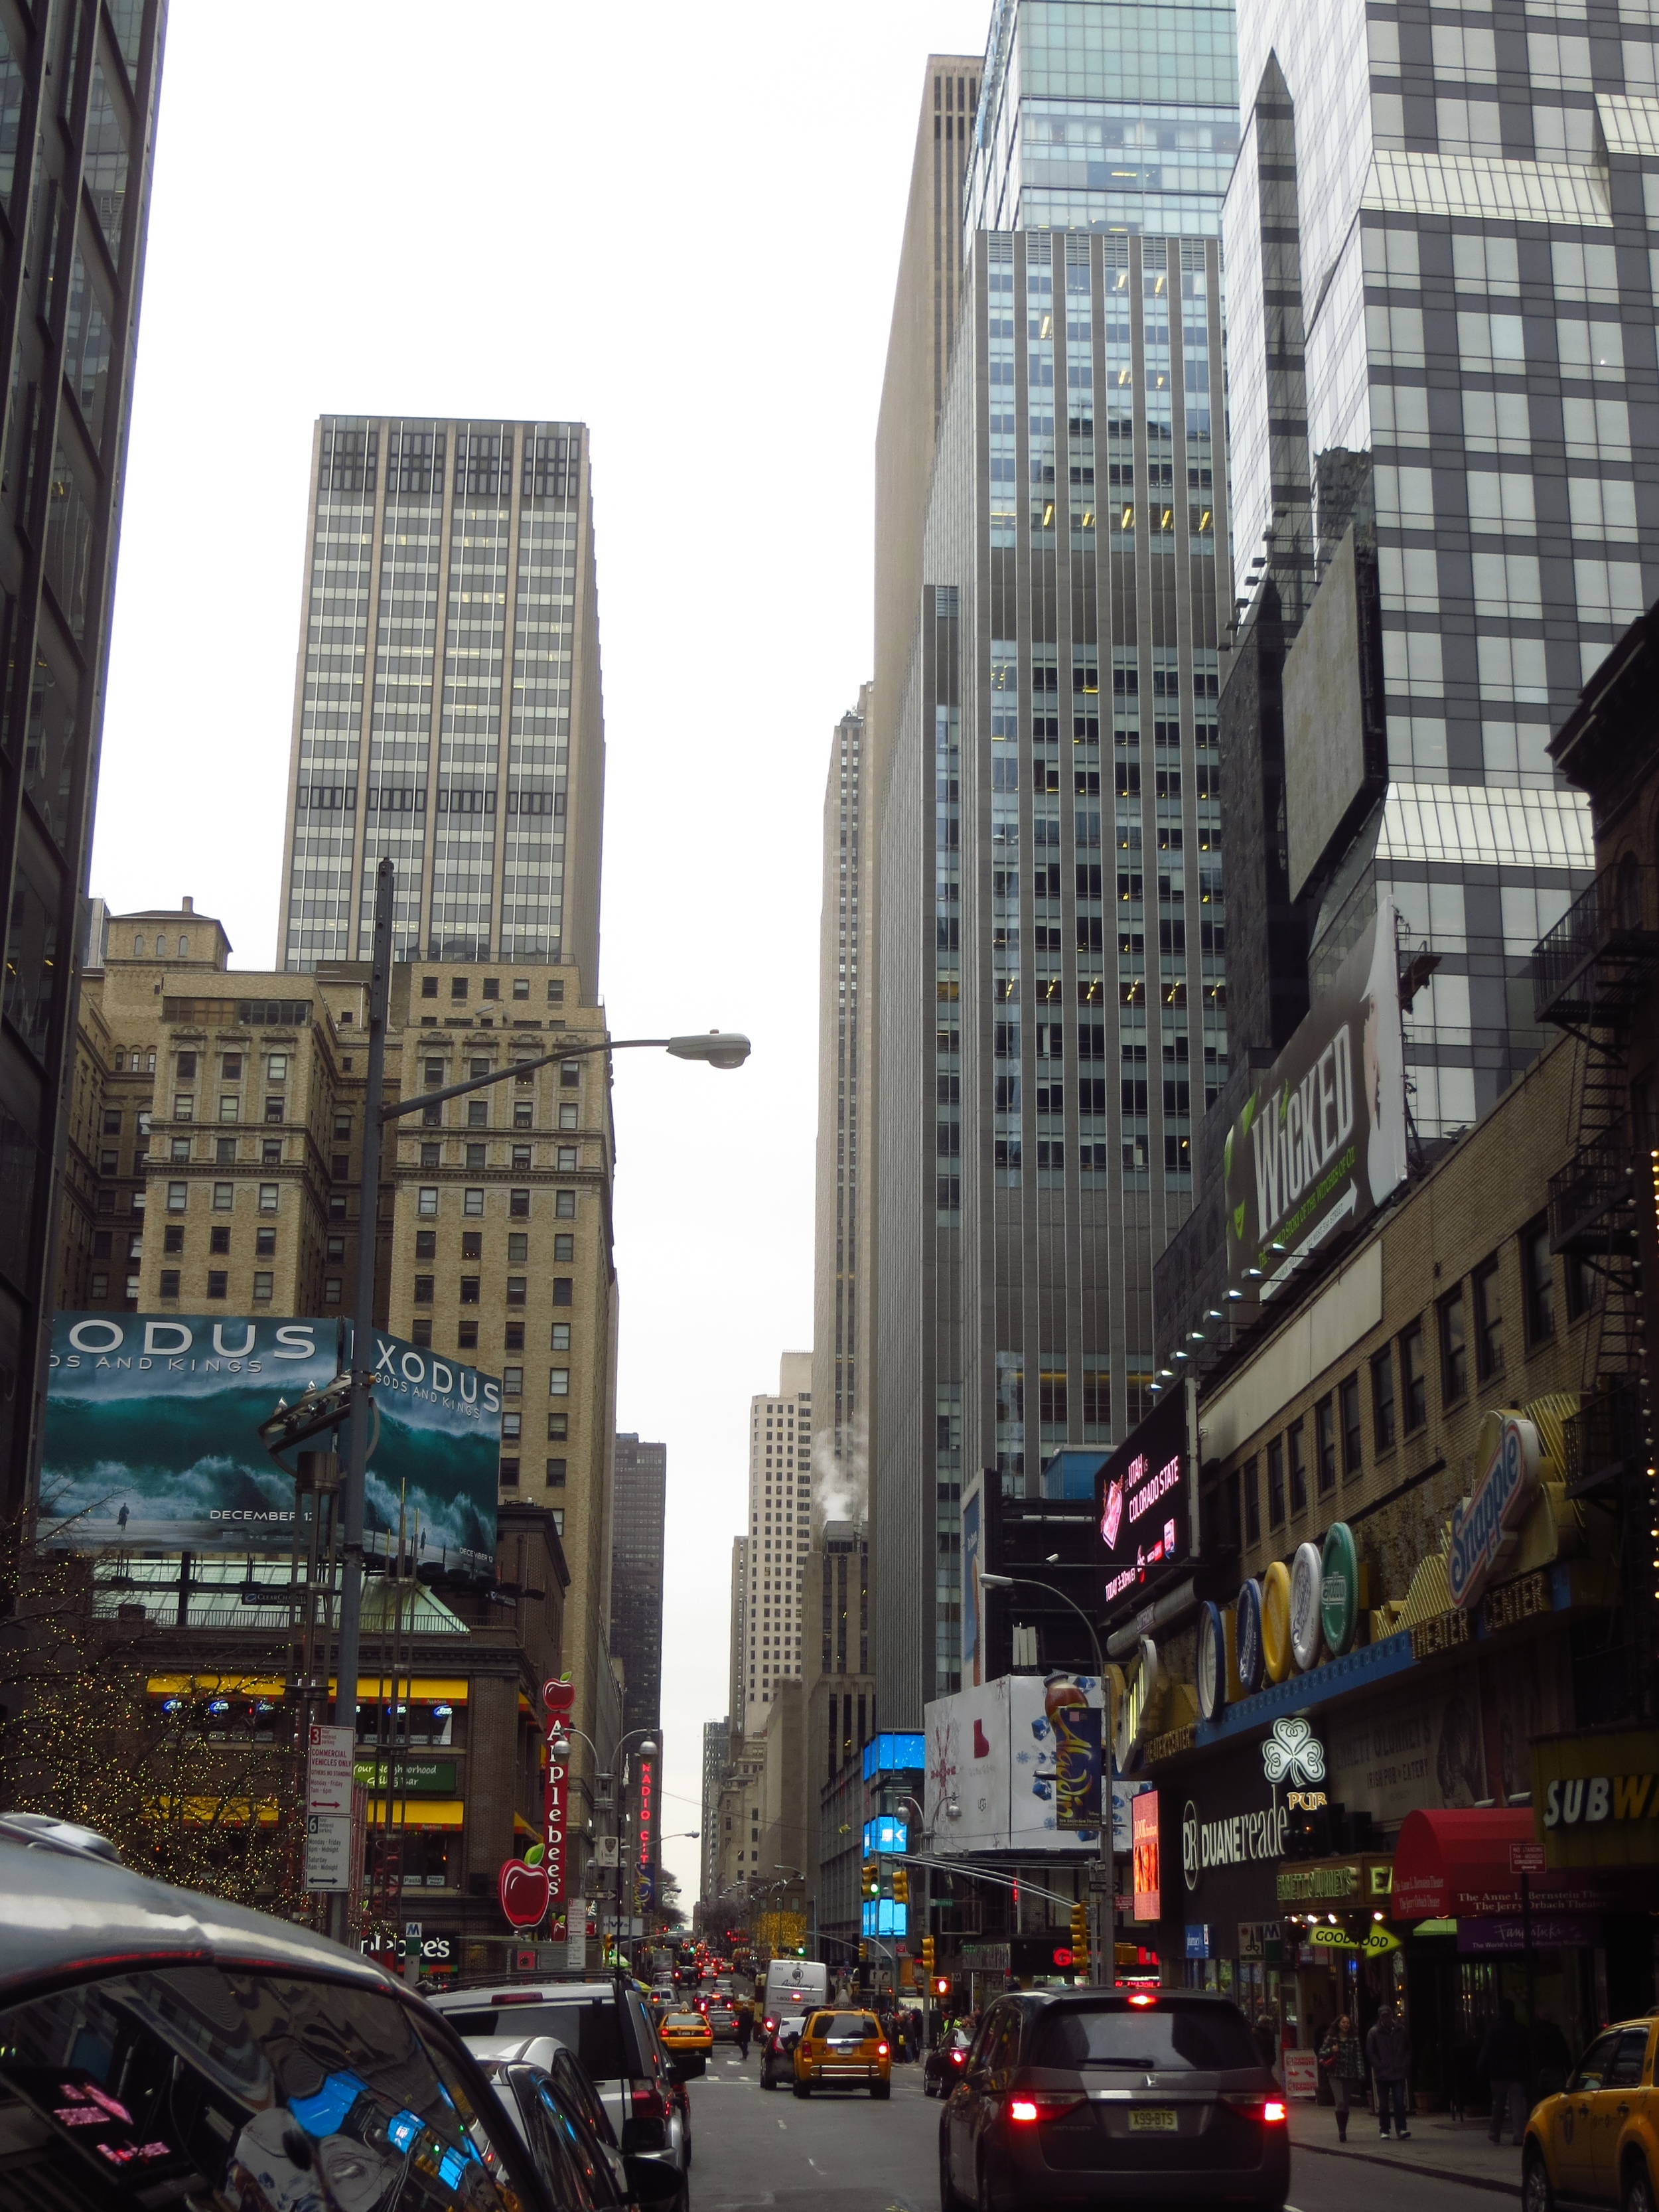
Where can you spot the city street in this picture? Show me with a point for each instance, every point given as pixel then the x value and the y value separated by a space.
pixel 846 2154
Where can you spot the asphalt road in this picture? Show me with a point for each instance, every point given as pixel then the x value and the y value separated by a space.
pixel 844 2153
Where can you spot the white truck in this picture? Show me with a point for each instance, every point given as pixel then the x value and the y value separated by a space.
pixel 793 1988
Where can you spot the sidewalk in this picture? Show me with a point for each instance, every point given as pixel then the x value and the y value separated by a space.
pixel 1448 2149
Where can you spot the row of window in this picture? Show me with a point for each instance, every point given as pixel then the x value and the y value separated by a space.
pixel 470 1295
pixel 518 1248
pixel 232 1067
pixel 472 1197
pixel 554 1479
pixel 1468 1319
pixel 491 988
pixel 475 1158
pixel 218 1285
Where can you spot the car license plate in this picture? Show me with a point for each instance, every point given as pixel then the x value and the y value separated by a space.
pixel 1152 2119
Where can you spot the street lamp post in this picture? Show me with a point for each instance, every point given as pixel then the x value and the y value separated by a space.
pixel 559 1747
pixel 1104 1912
pixel 718 1049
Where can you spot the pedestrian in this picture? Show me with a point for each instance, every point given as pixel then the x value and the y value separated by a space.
pixel 913 2034
pixel 1503 2060
pixel 1266 2040
pixel 1390 2050
pixel 1343 2064
pixel 746 2026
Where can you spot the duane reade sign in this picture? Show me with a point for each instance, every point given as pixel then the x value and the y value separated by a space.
pixel 1487 1527
pixel 1322 1144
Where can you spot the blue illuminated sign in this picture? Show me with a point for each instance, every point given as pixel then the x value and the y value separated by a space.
pixel 885 1833
pixel 894 1754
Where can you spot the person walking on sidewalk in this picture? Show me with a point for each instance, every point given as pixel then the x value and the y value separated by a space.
pixel 1343 2064
pixel 1503 2059
pixel 1390 2049
pixel 1266 2040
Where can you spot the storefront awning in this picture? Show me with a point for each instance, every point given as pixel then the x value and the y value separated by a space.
pixel 1453 1865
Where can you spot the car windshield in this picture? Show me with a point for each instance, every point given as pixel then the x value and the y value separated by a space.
pixel 590 2028
pixel 238 2086
pixel 1161 2039
pixel 844 2027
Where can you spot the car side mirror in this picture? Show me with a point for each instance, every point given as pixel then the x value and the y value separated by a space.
pixel 672 2070
pixel 653 2181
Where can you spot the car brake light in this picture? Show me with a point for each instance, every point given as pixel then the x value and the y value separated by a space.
pixel 1140 1999
pixel 881 2050
pixel 649 2103
pixel 1272 2110
pixel 958 2059
pixel 1040 2107
pixel 1021 2108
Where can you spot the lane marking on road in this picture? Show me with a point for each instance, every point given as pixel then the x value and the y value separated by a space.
pixel 783 2124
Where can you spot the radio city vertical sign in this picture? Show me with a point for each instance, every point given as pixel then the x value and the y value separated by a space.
pixel 644 1882
pixel 1322 1144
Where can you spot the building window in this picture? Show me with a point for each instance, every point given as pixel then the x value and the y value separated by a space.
pixel 471 1244
pixel 562 1288
pixel 101 1286
pixel 224 1197
pixel 569 1117
pixel 475 1158
pixel 183 1107
pixel 556 1474
pixel 492 987
pixel 276 1067
pixel 567 1161
pixel 564 1248
pixel 511 1425
pixel 521 986
pixel 1538 1282
pixel 515 1336
pixel 556 1516
pixel 431 1156
pixel 270 1151
pixel 218 1240
pixel 1413 1379
pixel 1454 1348
pixel 427 1203
pixel 523 1114
pixel 477 1113
pixel 177 1193
pixel 342 1128
pixel 558 1382
pixel 558 1428
pixel 570 1075
pixel 467 1335
pixel 218 1283
pixel 178 1148
pixel 521 1160
pixel 425 1243
pixel 472 1202
pixel 420 1329
pixel 1352 1449
pixel 172 1240
pixel 1276 1483
pixel 518 1202
pixel 429 986
pixel 515 1289
pixel 469 1290
pixel 560 1336
pixel 262 1286
pixel 423 1289
pixel 518 1246
pixel 331 1290
pixel 224 1153
pixel 1382 1399
pixel 509 1474
pixel 169 1282
pixel 1298 1468
pixel 555 992
pixel 512 1381
pixel 265 1243
pixel 268 1198
pixel 229 1107
pixel 1252 1504
pixel 1325 1439
pixel 1490 1322
pixel 564 1208
pixel 457 988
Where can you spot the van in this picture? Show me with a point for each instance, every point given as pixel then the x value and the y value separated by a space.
pixel 794 1987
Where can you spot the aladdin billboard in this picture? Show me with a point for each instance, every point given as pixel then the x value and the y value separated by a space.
pixel 152 1436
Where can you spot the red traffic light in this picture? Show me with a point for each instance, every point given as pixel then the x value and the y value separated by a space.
pixel 941 1985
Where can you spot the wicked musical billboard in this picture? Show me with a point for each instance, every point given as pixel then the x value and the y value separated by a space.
pixel 152 1436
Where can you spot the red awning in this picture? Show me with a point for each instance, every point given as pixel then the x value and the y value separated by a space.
pixel 1452 1863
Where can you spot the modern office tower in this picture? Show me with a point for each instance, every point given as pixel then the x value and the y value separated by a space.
pixel 738 1638
pixel 780 1519
pixel 1051 1003
pixel 78 86
pixel 1457 272
pixel 716 1757
pixel 216 1125
pixel 637 1552
pixel 448 710
pixel 841 1252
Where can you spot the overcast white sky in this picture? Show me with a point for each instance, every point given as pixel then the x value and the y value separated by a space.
pixel 680 225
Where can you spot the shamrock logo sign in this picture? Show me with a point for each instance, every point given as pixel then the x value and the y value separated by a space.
pixel 1292 1752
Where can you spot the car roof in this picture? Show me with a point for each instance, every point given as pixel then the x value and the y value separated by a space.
pixel 477 1995
pixel 517 2050
pixel 65 1911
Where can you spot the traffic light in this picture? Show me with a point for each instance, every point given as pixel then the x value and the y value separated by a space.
pixel 864 1952
pixel 901 1886
pixel 1080 1937
pixel 941 1985
pixel 872 1877
pixel 927 1956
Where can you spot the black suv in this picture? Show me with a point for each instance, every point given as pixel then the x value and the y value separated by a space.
pixel 1094 2095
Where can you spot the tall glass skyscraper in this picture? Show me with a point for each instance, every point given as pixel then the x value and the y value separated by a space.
pixel 447 708
pixel 1051 999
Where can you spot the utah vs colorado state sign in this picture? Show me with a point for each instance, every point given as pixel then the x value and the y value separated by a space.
pixel 1487 1527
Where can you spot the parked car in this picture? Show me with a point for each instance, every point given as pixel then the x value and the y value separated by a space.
pixel 158 2048
pixel 778 2040
pixel 567 2134
pixel 843 2050
pixel 1598 2138
pixel 1158 2095
pixel 945 2063
pixel 608 2027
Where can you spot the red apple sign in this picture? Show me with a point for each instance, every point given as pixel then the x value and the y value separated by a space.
pixel 524 1892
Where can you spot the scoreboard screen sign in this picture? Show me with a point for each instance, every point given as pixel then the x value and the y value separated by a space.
pixel 1143 1503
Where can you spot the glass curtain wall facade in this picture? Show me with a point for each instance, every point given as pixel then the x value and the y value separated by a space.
pixel 638 1510
pixel 1053 827
pixel 78 89
pixel 468 744
pixel 841 1232
pixel 1479 203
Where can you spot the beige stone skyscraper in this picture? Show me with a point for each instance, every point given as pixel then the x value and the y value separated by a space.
pixel 779 1511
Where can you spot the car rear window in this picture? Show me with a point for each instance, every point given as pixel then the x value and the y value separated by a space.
pixel 592 2030
pixel 843 2026
pixel 1162 2038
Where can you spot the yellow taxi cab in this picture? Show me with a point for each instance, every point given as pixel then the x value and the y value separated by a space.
pixel 1598 2139
pixel 848 2048
pixel 685 2036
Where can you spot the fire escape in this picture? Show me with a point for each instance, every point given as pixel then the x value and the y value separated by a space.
pixel 1594 977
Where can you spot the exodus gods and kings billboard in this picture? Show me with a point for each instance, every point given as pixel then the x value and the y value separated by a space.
pixel 152 1436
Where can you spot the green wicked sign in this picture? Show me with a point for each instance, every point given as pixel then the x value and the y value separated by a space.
pixel 151 1437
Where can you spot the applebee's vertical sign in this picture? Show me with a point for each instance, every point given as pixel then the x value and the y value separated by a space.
pixel 560 1698
pixel 1487 1527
